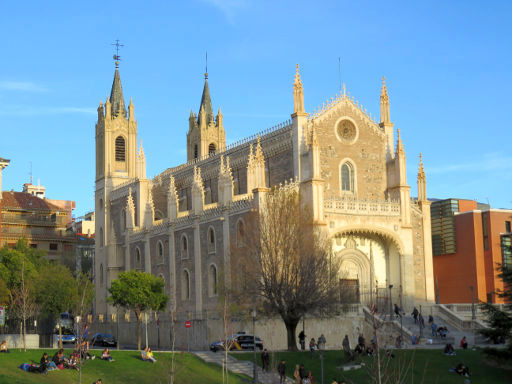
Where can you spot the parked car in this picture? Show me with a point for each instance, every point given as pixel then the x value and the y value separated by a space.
pixel 67 335
pixel 239 341
pixel 103 340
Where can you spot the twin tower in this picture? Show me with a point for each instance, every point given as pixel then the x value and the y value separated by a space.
pixel 116 134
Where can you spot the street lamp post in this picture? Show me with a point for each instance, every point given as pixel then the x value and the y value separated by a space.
pixel 255 371
pixel 421 324
pixel 322 364
pixel 390 304
pixel 473 314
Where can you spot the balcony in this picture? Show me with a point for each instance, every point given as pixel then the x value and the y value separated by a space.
pixel 338 205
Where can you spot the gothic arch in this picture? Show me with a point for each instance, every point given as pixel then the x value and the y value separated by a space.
pixel 185 284
pixel 347 174
pixel 120 148
pixel 160 252
pixel 211 239
pixel 212 280
pixel 372 230
pixel 184 246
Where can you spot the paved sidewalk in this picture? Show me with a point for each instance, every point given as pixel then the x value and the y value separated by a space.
pixel 240 366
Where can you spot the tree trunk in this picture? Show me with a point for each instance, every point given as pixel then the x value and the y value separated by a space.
pixel 24 332
pixel 60 333
pixel 138 330
pixel 291 326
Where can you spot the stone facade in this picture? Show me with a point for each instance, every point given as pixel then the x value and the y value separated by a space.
pixel 180 224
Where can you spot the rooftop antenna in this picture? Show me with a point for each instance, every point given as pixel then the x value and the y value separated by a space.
pixel 339 71
pixel 30 173
pixel 206 68
pixel 117 58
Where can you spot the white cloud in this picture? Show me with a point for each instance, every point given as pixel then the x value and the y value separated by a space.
pixel 21 86
pixel 228 7
pixel 488 163
pixel 20 110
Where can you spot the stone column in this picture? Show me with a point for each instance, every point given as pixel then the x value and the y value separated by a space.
pixel 147 255
pixel 198 270
pixel 172 268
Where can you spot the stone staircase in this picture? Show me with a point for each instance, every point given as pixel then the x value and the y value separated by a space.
pixel 241 366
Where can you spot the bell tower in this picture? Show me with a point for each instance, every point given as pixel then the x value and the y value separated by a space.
pixel 116 163
pixel 206 134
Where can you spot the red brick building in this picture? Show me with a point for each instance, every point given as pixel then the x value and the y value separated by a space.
pixel 469 240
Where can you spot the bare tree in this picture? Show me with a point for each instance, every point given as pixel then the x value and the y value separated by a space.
pixel 23 304
pixel 282 257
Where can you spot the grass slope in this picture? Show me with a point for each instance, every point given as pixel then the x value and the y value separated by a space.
pixel 427 366
pixel 127 368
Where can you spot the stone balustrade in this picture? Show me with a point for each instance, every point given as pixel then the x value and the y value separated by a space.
pixel 362 207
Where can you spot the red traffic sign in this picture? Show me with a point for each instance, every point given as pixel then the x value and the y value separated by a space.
pixel 188 324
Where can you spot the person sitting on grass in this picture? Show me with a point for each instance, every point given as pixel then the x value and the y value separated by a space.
pixel 98 382
pixel 448 350
pixel 150 356
pixel 462 370
pixel 3 347
pixel 106 355
pixel 45 363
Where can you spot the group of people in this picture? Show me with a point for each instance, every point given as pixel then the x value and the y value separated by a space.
pixel 3 347
pixel 313 344
pixel 301 377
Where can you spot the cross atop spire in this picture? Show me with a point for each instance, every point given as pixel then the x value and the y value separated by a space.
pixel 117 58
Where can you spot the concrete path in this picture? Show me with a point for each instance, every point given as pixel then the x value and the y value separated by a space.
pixel 240 366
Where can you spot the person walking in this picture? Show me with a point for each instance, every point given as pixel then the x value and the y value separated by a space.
pixel 312 344
pixel 296 374
pixel 281 369
pixel 434 329
pixel 265 360
pixel 321 342
pixel 302 340
pixel 415 314
pixel 346 349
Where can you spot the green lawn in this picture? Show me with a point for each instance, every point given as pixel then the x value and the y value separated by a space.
pixel 127 368
pixel 432 365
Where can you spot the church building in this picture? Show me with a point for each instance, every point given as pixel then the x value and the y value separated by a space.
pixel 350 169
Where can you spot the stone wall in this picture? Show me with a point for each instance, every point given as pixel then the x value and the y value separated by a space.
pixel 211 328
pixel 15 341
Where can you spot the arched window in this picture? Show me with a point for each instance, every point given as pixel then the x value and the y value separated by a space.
pixel 120 149
pixel 185 285
pixel 101 237
pixel 184 246
pixel 101 274
pixel 211 240
pixel 160 250
pixel 211 149
pixel 138 261
pixel 196 151
pixel 240 233
pixel 212 281
pixel 158 214
pixel 347 177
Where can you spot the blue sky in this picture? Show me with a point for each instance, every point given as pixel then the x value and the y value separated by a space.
pixel 447 63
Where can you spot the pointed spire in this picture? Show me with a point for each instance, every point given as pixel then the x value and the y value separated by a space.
pixel 422 182
pixel 384 103
pixel 130 205
pixel 258 153
pixel 116 96
pixel 141 162
pixel 206 103
pixel 131 110
pixel 399 150
pixel 298 93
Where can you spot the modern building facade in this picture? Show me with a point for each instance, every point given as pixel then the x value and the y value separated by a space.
pixel 469 241
pixel 180 224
